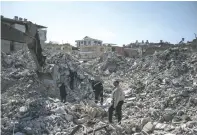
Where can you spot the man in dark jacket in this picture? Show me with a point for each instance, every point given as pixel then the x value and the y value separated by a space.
pixel 98 90
pixel 73 76
pixel 63 93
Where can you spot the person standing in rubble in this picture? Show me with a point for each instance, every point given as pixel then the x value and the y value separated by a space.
pixel 72 79
pixel 63 93
pixel 98 90
pixel 118 98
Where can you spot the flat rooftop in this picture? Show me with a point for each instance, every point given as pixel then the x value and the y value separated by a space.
pixel 13 21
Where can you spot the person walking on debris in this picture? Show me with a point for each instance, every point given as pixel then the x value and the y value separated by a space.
pixel 98 90
pixel 72 77
pixel 63 93
pixel 118 98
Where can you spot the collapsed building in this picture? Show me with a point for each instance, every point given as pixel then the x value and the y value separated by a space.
pixel 161 94
pixel 11 39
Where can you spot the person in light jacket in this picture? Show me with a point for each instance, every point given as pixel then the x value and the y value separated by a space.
pixel 118 98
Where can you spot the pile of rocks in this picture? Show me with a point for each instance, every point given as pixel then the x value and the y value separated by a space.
pixel 28 105
pixel 159 89
pixel 161 94
pixel 46 116
pixel 15 67
pixel 109 63
pixel 67 69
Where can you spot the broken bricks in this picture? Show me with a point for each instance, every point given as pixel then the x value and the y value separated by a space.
pixel 162 86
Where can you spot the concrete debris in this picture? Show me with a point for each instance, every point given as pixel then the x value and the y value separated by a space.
pixel 18 133
pixel 68 70
pixel 161 94
pixel 144 121
pixel 149 127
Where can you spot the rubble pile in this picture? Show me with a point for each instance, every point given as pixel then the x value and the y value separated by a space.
pixel 161 88
pixel 62 67
pixel 21 89
pixel 26 104
pixel 109 63
pixel 15 67
pixel 161 94
pixel 46 116
pixel 68 70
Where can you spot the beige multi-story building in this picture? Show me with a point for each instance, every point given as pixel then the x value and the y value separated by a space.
pixel 88 41
pixel 91 52
pixel 62 47
pixel 91 48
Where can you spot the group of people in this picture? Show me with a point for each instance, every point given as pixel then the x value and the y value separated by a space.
pixel 118 97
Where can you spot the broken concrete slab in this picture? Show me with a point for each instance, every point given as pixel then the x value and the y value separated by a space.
pixel 149 127
pixel 156 85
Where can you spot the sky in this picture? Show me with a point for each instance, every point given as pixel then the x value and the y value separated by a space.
pixel 112 22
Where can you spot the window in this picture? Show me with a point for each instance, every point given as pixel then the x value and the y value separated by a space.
pixel 84 42
pixel 89 42
pixel 81 42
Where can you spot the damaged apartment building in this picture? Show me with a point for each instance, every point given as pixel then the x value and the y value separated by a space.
pixel 67 48
pixel 10 39
pixel 91 48
pixel 139 49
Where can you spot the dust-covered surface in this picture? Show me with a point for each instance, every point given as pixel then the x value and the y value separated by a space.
pixel 161 94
